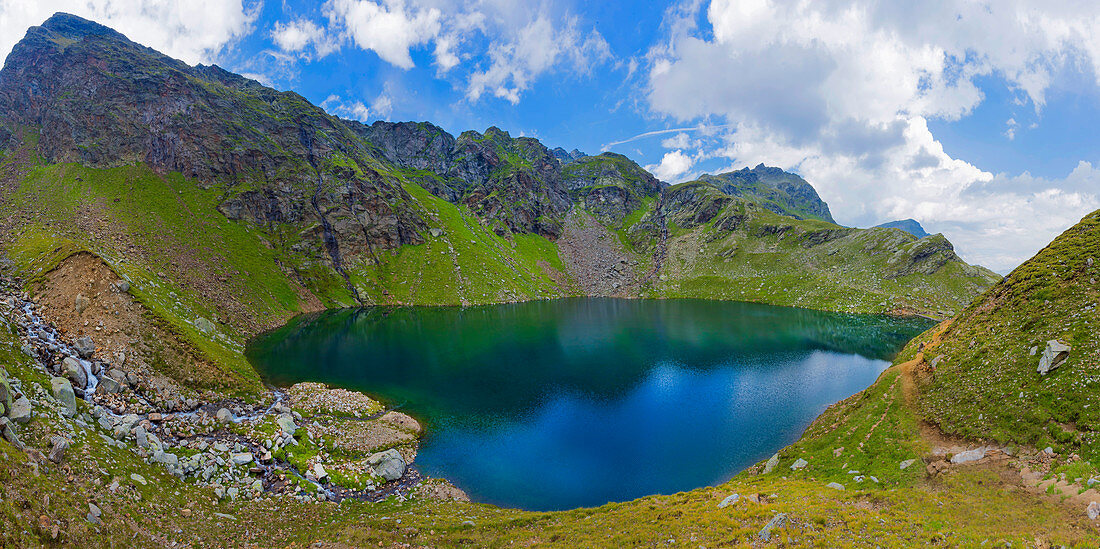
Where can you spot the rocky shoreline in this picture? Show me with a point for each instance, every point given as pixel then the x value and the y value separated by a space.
pixel 297 446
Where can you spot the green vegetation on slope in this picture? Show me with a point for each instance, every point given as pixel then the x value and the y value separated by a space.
pixel 808 263
pixel 985 383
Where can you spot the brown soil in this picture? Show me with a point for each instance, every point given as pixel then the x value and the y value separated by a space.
pixel 124 331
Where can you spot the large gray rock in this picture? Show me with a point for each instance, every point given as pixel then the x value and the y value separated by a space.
pixel 204 325
pixel 224 415
pixel 6 394
pixel 388 464
pixel 21 411
pixel 799 464
pixel 778 521
pixel 84 346
pixel 71 369
pixel 166 458
pixel 10 434
pixel 243 458
pixel 58 445
pixel 286 423
pixel 969 455
pixel 1054 355
pixel 81 303
pixel 109 385
pixel 772 463
pixel 62 390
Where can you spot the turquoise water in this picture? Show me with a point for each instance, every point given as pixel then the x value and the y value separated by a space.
pixel 578 402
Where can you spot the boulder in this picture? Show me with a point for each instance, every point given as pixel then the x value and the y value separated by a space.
pixel 730 500
pixel 62 390
pixel 1093 510
pixel 835 486
pixel 21 411
pixel 1054 355
pixel 165 458
pixel 109 385
pixel 778 521
pixel 224 415
pixel 968 456
pixel 81 303
pixel 242 458
pixel 8 432
pixel 319 471
pixel 84 346
pixel 799 464
pixel 74 371
pixel 141 437
pixel 6 394
pixel 58 445
pixel 905 464
pixel 286 423
pixel 388 464
pixel 203 325
pixel 122 286
pixel 772 463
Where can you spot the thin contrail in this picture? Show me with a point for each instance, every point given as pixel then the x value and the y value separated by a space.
pixel 661 132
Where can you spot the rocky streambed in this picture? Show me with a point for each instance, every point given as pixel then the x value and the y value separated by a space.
pixel 310 442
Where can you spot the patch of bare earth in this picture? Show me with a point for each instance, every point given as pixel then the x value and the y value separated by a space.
pixel 82 297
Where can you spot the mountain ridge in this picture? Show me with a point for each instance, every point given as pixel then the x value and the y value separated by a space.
pixel 360 214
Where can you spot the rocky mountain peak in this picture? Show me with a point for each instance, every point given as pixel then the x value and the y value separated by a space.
pixel 780 191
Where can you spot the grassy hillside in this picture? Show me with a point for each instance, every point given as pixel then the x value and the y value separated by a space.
pixel 985 384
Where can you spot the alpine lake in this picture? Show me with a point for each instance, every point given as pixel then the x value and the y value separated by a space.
pixel 568 403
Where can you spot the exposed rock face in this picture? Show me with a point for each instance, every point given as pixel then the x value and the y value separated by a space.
pixel 610 186
pixel 283 159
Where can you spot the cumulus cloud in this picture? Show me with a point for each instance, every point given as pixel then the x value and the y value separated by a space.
pixel 842 92
pixel 390 29
pixel 536 48
pixel 502 47
pixel 196 31
pixel 356 109
pixel 297 36
pixel 672 165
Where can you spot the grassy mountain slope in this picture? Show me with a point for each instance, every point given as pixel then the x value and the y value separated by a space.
pixel 985 383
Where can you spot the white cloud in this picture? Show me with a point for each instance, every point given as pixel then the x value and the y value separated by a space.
pixel 196 31
pixel 673 164
pixel 536 48
pixel 678 141
pixel 387 28
pixel 354 110
pixel 296 36
pixel 502 47
pixel 842 92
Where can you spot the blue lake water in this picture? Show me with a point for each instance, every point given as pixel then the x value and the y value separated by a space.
pixel 577 402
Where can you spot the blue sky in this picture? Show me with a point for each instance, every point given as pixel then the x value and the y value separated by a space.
pixel 976 118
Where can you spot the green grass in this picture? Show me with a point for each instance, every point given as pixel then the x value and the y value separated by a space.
pixel 850 273
pixel 986 384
